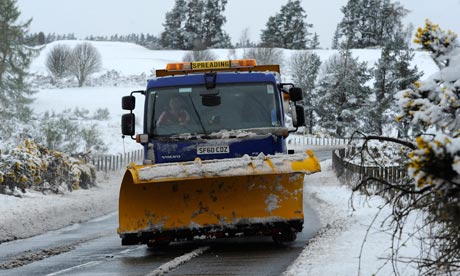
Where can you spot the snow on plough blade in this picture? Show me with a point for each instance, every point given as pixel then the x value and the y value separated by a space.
pixel 215 198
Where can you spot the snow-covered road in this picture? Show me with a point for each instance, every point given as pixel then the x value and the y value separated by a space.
pixel 334 251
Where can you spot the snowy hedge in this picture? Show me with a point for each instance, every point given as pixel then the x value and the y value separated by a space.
pixel 31 166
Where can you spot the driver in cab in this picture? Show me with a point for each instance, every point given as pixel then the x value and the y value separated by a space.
pixel 175 114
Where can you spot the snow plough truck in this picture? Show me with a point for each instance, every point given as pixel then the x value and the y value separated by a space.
pixel 215 160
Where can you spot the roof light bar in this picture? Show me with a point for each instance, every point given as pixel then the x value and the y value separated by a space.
pixel 211 65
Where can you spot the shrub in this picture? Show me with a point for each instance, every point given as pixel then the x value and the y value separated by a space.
pixel 31 166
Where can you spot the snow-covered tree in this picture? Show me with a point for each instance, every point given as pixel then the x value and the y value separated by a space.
pixel 303 68
pixel 213 22
pixel 173 36
pixel 195 24
pixel 392 73
pixel 370 23
pixel 335 39
pixel 58 61
pixel 343 97
pixel 15 59
pixel 287 29
pixel 85 60
pixel 314 44
pixel 194 27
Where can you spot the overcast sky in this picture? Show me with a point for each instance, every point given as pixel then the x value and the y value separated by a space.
pixel 107 17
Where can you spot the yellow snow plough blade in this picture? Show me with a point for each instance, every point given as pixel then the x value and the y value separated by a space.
pixel 249 195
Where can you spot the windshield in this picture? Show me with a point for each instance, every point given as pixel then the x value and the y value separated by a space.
pixel 179 110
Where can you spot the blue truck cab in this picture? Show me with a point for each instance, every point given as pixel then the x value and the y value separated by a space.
pixel 213 110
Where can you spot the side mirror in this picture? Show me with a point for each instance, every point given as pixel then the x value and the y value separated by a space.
pixel 300 116
pixel 128 124
pixel 295 94
pixel 128 102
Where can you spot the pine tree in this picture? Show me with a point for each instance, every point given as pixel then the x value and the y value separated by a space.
pixel 287 29
pixel 314 44
pixel 213 21
pixel 335 39
pixel 15 58
pixel 41 38
pixel 392 74
pixel 370 23
pixel 195 24
pixel 193 29
pixel 271 36
pixel 343 97
pixel 173 36
pixel 348 27
pixel 304 67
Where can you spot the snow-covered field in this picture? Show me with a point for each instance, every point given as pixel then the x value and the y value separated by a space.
pixel 334 252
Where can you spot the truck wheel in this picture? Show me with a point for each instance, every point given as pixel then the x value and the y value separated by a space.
pixel 158 245
pixel 284 237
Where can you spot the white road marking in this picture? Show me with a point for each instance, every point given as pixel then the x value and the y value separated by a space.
pixel 92 263
pixel 130 249
pixel 167 267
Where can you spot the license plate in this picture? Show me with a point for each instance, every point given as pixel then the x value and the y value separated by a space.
pixel 213 149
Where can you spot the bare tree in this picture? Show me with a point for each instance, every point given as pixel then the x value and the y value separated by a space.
pixel 58 61
pixel 85 61
pixel 265 55
pixel 244 40
pixel 197 55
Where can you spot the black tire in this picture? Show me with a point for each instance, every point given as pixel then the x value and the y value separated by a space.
pixel 284 237
pixel 158 245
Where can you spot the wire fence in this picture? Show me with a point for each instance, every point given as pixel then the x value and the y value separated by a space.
pixel 116 162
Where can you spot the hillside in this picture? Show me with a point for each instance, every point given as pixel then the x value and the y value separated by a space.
pixel 134 65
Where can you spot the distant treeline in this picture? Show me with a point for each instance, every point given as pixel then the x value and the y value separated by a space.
pixel 147 40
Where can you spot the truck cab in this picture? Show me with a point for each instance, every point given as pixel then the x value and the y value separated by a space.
pixel 213 110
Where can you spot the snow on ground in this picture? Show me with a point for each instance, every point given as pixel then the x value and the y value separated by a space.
pixel 345 223
pixel 36 213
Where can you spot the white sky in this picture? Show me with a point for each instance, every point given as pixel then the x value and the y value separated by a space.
pixel 106 17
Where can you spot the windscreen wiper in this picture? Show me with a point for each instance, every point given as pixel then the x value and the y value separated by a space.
pixel 197 115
